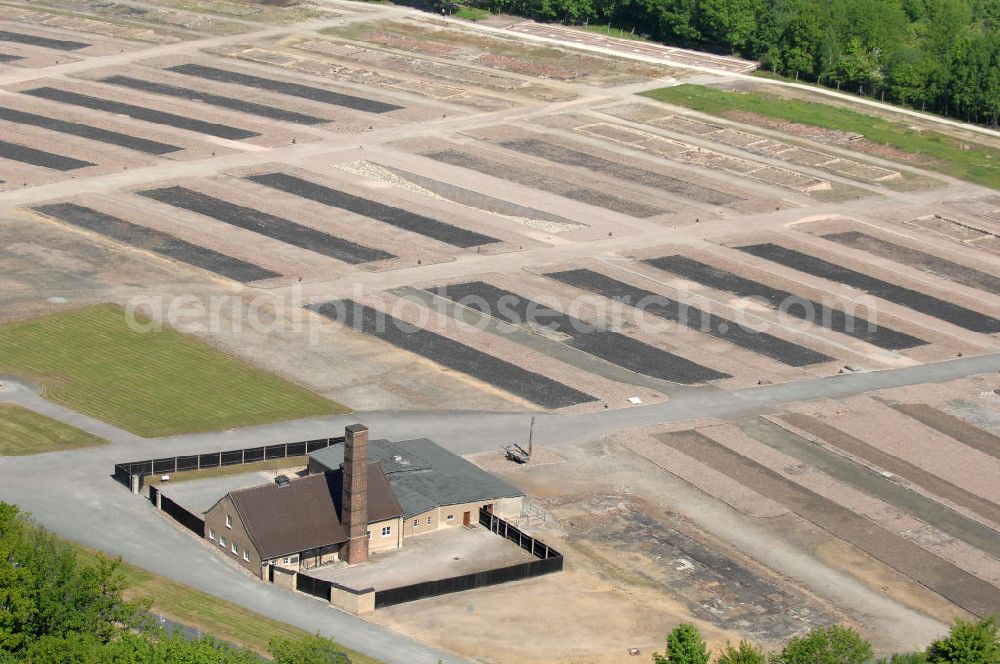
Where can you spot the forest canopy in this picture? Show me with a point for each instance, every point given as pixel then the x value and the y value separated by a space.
pixel 938 55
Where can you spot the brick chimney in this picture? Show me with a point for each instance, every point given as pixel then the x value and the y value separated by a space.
pixel 354 512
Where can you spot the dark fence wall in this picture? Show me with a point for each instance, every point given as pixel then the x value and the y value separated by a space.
pixel 313 586
pixel 166 465
pixel 549 560
pixel 191 521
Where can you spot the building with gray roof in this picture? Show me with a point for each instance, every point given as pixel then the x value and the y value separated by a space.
pixel 435 488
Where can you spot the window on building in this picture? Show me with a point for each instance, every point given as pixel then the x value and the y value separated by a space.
pixel 416 523
pixel 246 556
pixel 234 548
pixel 285 560
pixel 429 521
pixel 451 517
pixel 229 521
pixel 294 559
pixel 369 534
pixel 211 533
pixel 222 541
pixel 386 531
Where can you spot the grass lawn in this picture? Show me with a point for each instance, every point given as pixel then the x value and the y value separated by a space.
pixel 153 384
pixel 614 32
pixel 472 14
pixel 942 153
pixel 209 614
pixel 23 431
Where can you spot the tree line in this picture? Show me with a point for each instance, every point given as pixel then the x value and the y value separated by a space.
pixel 967 643
pixel 55 609
pixel 936 55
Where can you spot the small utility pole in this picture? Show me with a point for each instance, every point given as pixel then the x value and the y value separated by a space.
pixel 531 436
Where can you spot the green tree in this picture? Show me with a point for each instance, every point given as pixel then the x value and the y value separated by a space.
pixel 684 646
pixel 827 645
pixel 744 653
pixel 905 658
pixel 17 606
pixel 307 650
pixel 968 643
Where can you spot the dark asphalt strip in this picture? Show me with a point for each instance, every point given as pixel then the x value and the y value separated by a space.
pixel 155 241
pixel 969 592
pixel 613 347
pixel 701 321
pixel 853 474
pixel 26 155
pixel 398 217
pixel 231 103
pixel 788 303
pixel 286 88
pixel 925 304
pixel 86 131
pixel 266 224
pixel 450 353
pixel 141 113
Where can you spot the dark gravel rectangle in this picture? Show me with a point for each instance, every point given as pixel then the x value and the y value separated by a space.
pixel 41 158
pixel 141 113
pixel 926 304
pixel 215 100
pixel 958 273
pixel 512 173
pixel 9 57
pixel 86 131
pixel 286 88
pixel 531 386
pixel 266 224
pixel 398 217
pixel 613 347
pixel 792 305
pixel 44 42
pixel 971 593
pixel 652 303
pixel 155 241
pixel 569 157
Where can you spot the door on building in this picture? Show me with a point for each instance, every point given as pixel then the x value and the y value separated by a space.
pixel 467 519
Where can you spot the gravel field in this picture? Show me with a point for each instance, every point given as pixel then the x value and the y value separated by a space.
pixel 530 175
pixel 932 306
pixel 790 304
pixel 454 355
pixel 610 346
pixel 44 42
pixel 672 310
pixel 29 155
pixel 266 224
pixel 921 260
pixel 142 113
pixel 973 594
pixel 137 143
pixel 155 241
pixel 393 216
pixel 285 87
